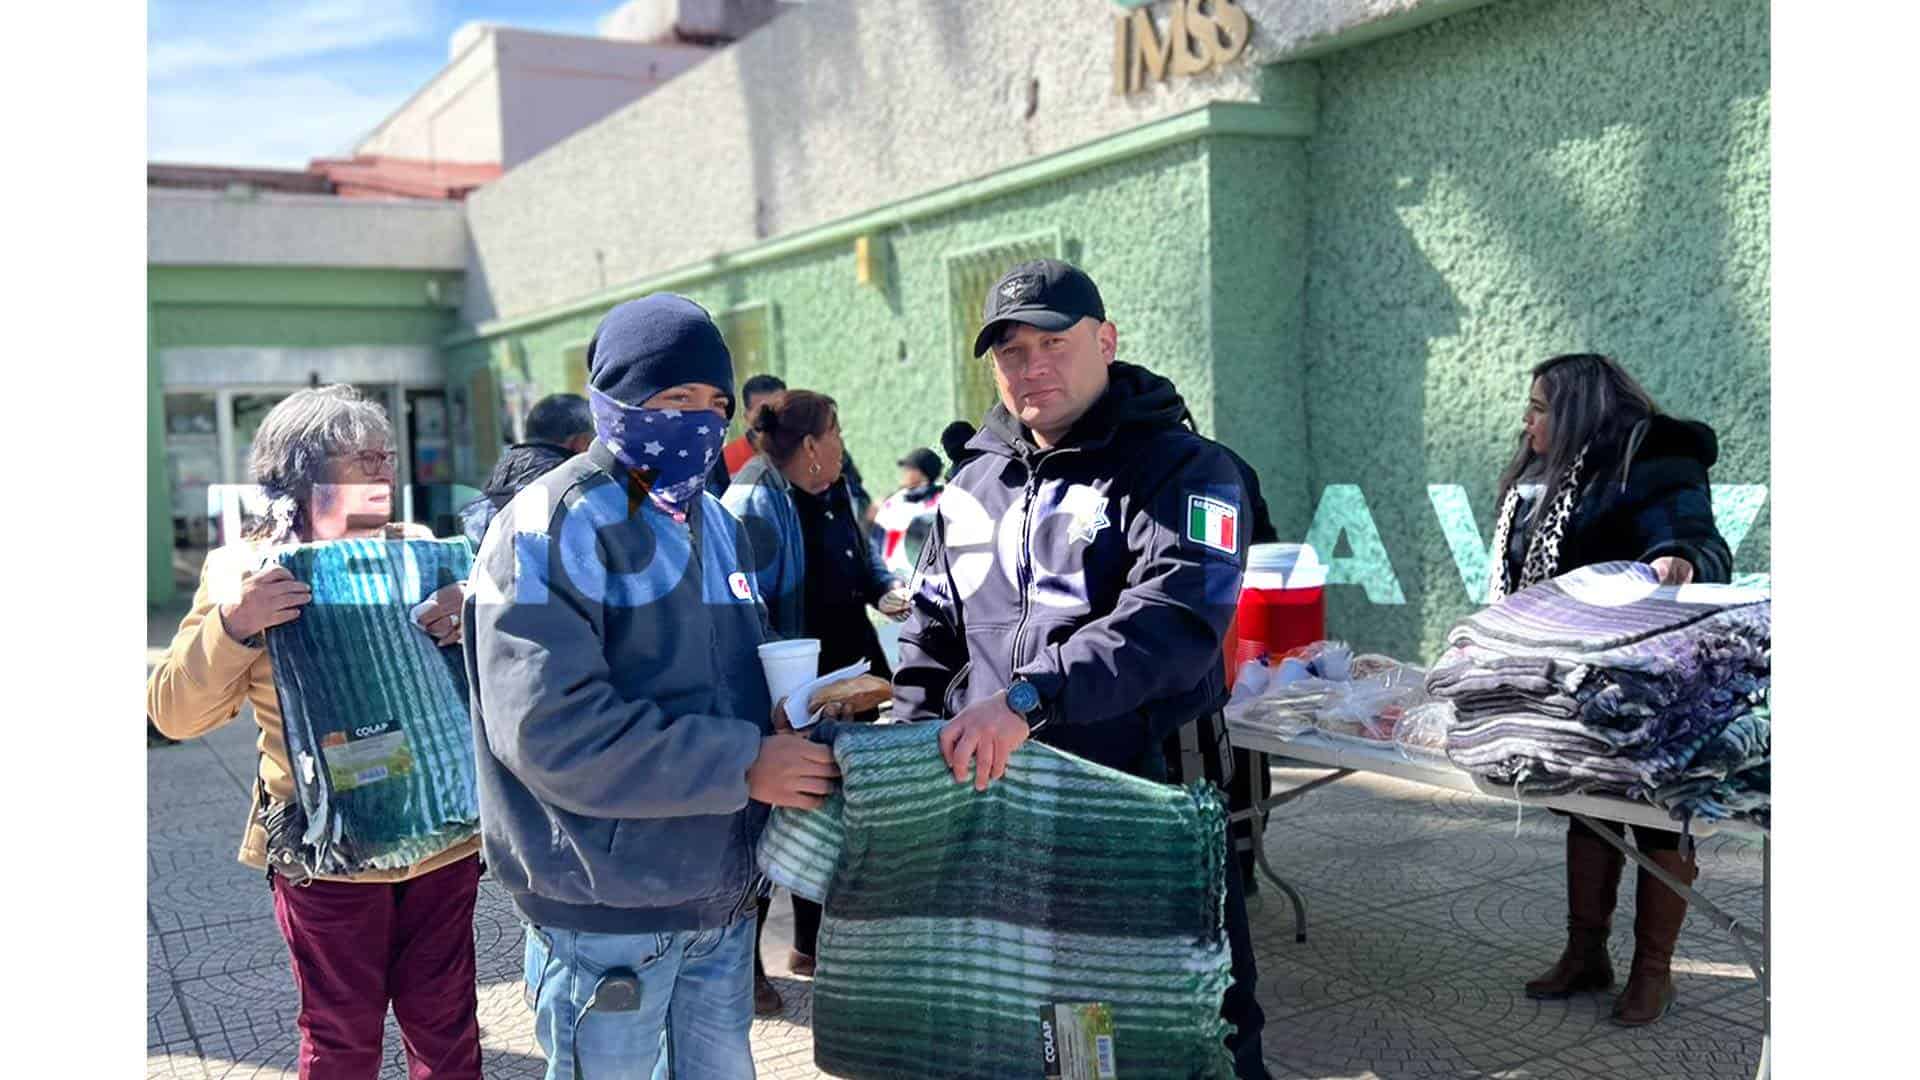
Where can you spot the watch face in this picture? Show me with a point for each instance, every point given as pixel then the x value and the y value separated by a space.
pixel 1022 697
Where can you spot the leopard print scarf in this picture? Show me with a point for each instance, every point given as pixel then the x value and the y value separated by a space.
pixel 1543 547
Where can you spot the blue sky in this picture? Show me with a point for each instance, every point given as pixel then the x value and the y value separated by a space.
pixel 280 83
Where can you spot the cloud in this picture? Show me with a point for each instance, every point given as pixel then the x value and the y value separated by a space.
pixel 238 38
pixel 279 121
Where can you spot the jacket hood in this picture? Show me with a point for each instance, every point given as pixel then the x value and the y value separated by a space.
pixel 521 464
pixel 1134 398
pixel 1667 437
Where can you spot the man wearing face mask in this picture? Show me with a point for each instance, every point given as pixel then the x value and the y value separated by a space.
pixel 625 752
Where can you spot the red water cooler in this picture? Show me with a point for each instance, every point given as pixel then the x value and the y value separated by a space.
pixel 1283 604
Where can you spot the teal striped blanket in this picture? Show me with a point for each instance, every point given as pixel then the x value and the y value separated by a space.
pixel 954 917
pixel 376 714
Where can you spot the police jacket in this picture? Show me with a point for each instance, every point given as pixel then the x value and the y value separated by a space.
pixel 1104 570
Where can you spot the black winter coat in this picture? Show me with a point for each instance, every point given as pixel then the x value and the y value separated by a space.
pixel 1104 571
pixel 843 578
pixel 1644 498
pixel 521 464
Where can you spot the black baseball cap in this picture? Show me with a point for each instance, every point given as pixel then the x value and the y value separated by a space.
pixel 1046 293
pixel 923 459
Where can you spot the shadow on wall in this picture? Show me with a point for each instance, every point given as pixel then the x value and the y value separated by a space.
pixel 1367 369
pixel 1514 182
pixel 771 118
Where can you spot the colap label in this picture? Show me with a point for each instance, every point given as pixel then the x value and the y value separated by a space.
pixel 1076 1041
pixel 366 755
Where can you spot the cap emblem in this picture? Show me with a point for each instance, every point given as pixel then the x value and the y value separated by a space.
pixel 1024 287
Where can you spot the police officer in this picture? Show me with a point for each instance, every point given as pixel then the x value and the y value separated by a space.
pixel 1083 568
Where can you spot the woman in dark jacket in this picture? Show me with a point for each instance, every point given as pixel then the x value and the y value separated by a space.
pixel 1602 475
pixel 815 557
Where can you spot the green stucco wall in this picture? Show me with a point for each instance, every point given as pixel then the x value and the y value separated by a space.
pixel 1139 226
pixel 1529 178
pixel 1259 204
pixel 286 307
pixel 1354 309
pixel 294 306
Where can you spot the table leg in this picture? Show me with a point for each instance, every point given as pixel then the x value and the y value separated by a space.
pixel 1293 895
pixel 1766 950
pixel 1259 816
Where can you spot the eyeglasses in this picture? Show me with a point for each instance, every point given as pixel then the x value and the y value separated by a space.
pixel 371 463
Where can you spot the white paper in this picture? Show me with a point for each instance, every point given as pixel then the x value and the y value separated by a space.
pixel 797 701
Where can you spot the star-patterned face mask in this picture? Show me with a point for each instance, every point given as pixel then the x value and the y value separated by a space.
pixel 677 446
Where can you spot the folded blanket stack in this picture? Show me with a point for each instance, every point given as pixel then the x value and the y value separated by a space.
pixel 1600 682
pixel 954 917
pixel 376 714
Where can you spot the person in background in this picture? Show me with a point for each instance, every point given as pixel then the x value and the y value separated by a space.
pixel 741 450
pixel 753 393
pixel 1101 634
pixel 816 572
pixel 953 439
pixel 1600 474
pixel 905 517
pixel 558 427
pixel 360 942
pixel 626 754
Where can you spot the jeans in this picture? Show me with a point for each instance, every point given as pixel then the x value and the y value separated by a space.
pixel 691 1019
pixel 357 946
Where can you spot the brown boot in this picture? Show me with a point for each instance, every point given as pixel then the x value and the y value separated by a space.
pixel 1593 883
pixel 766 999
pixel 1656 929
pixel 800 963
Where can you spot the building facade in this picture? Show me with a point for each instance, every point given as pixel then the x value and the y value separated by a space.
pixel 1345 229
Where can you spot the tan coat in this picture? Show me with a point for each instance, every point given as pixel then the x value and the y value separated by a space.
pixel 200 686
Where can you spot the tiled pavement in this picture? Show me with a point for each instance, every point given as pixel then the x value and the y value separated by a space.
pixel 1428 910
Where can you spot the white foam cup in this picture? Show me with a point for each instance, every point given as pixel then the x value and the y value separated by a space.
pixel 790 665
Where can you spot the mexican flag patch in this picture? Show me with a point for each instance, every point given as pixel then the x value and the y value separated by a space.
pixel 1212 523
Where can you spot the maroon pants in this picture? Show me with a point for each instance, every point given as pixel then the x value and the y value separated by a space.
pixel 356 948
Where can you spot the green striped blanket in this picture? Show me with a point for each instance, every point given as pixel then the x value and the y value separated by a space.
pixel 953 917
pixel 376 713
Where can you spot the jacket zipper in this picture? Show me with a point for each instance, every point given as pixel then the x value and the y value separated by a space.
pixel 1024 569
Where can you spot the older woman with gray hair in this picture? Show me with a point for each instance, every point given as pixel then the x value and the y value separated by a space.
pixel 357 943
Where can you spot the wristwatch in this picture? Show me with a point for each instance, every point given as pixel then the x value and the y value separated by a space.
pixel 1024 698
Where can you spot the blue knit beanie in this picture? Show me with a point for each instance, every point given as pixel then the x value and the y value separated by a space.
pixel 655 343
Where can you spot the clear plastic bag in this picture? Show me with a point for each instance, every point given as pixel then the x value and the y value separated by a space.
pixel 1422 734
pixel 1324 687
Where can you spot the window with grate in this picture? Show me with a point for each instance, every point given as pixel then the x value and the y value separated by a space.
pixel 749 333
pixel 573 366
pixel 483 397
pixel 969 275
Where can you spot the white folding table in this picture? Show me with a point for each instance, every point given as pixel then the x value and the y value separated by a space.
pixel 1344 757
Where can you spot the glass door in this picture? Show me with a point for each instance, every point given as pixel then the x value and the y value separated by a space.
pixel 193 467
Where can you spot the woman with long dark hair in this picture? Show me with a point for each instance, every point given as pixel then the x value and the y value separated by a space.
pixel 817 572
pixel 1601 475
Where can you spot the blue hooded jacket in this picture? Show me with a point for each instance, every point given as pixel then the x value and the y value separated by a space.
pixel 618 700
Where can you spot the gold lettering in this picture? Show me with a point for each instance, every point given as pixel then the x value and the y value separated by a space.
pixel 1149 54
pixel 1202 35
pixel 1231 30
pixel 1190 28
